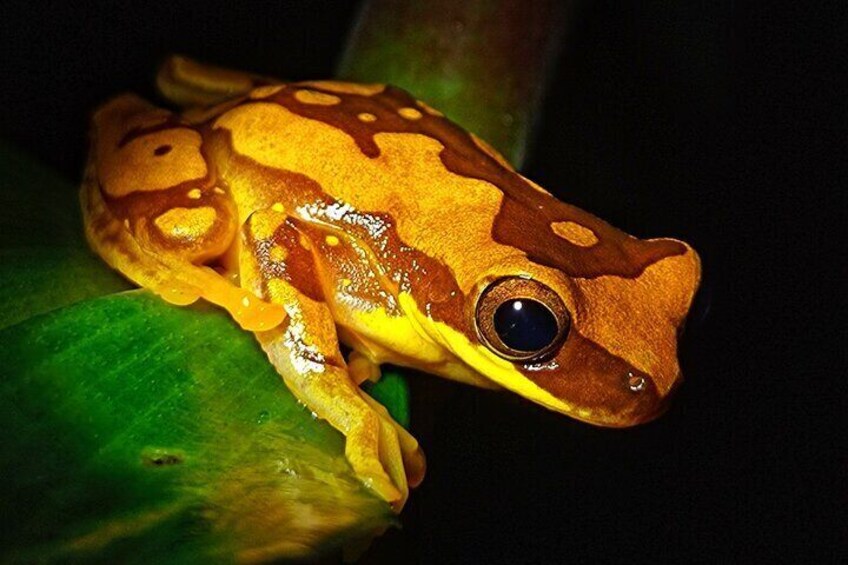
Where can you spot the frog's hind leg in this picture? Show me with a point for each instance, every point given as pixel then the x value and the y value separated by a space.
pixel 153 212
pixel 278 264
pixel 188 83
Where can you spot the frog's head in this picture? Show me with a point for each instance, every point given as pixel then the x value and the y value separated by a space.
pixel 583 319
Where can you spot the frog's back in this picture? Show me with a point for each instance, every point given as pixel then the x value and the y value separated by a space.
pixel 333 148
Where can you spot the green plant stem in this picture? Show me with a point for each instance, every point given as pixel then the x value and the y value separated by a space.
pixel 485 63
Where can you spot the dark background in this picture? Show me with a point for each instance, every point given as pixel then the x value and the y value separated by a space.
pixel 705 121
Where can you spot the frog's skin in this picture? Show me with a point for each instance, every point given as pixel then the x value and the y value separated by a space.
pixel 325 212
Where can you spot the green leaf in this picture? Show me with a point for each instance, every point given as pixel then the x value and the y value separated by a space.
pixel 136 430
pixel 37 208
pixel 44 260
pixel 35 280
pixel 392 392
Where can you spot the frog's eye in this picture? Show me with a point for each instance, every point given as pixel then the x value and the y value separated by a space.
pixel 521 319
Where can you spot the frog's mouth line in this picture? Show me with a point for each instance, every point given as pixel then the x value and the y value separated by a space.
pixel 610 392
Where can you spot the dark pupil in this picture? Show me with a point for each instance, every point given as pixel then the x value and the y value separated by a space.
pixel 524 324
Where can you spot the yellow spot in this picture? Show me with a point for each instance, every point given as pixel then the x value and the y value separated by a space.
pixel 304 242
pixel 245 301
pixel 194 193
pixel 218 190
pixel 429 109
pixel 410 113
pixel 535 186
pixel 575 233
pixel 366 117
pixel 315 97
pixel 263 224
pixel 331 240
pixel 266 91
pixel 344 283
pixel 278 207
pixel 347 87
pixel 178 293
pixel 186 223
pixel 127 224
pixel 278 254
pixel 491 152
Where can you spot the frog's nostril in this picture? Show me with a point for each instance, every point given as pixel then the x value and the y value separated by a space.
pixel 636 383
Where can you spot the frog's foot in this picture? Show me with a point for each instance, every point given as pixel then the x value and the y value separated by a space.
pixel 321 381
pixel 361 369
pixel 372 449
pixel 188 83
pixel 414 463
pixel 248 310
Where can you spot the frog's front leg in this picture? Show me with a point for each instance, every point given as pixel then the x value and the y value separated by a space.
pixel 278 264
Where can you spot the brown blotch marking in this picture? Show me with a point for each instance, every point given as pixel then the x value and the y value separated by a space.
pixel 162 150
pixel 172 121
pixel 431 282
pixel 592 378
pixel 575 233
pixel 349 266
pixel 298 268
pixel 526 214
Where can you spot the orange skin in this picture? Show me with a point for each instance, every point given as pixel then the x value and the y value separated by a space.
pixel 324 212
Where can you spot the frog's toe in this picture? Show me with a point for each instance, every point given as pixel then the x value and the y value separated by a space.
pixel 392 459
pixel 416 465
pixel 414 461
pixel 385 489
pixel 374 455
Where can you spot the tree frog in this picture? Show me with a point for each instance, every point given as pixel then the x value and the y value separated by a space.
pixel 320 213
